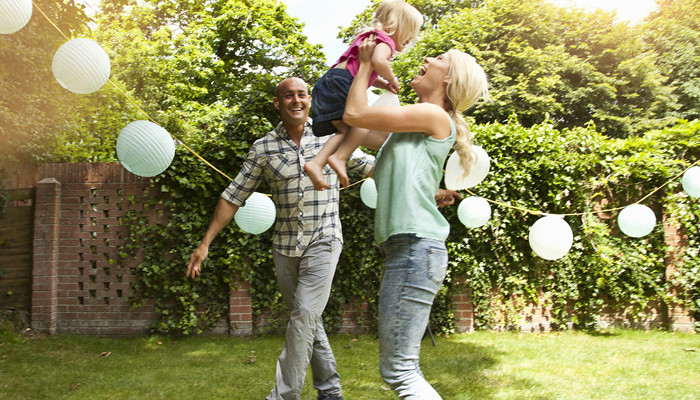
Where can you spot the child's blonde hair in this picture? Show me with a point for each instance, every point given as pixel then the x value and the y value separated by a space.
pixel 400 18
pixel 467 83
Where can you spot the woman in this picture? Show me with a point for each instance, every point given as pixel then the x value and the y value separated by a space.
pixel 408 226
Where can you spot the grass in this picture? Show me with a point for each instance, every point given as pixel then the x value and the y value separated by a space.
pixel 569 365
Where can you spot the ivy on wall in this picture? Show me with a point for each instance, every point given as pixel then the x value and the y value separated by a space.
pixel 538 168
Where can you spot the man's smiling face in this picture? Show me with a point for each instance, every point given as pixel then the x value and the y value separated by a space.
pixel 293 101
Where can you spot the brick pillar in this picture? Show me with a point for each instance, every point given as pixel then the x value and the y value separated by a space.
pixel 676 316
pixel 464 308
pixel 45 257
pixel 241 310
pixel 355 316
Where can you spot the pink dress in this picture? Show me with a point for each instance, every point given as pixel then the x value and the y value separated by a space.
pixel 353 63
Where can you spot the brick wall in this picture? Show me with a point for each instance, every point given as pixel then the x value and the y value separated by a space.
pixel 80 283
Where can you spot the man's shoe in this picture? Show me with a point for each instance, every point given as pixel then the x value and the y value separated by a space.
pixel 327 397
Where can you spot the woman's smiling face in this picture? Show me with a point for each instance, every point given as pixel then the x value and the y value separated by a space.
pixel 432 73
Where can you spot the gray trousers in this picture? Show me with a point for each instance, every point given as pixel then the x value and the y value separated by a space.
pixel 305 284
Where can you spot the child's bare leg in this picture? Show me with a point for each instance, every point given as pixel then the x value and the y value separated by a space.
pixel 314 168
pixel 351 140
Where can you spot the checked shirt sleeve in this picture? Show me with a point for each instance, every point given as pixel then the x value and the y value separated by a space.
pixel 360 163
pixel 247 180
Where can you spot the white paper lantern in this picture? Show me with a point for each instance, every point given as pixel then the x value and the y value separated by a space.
pixel 81 66
pixel 636 220
pixel 551 237
pixel 145 149
pixel 386 99
pixel 257 215
pixel 14 15
pixel 368 193
pixel 474 212
pixel 477 173
pixel 691 182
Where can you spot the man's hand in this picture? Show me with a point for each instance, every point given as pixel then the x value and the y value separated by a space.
pixel 446 197
pixel 196 259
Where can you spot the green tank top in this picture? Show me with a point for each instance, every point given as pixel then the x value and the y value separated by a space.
pixel 407 172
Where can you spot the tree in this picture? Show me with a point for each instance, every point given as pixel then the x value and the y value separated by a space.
pixel 548 63
pixel 203 68
pixel 673 33
pixel 33 105
pixel 206 71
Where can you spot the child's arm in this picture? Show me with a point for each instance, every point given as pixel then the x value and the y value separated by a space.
pixel 380 63
pixel 381 83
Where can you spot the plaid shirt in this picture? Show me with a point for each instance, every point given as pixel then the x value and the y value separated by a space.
pixel 303 213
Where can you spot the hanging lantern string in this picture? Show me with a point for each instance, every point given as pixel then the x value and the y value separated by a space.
pixel 136 105
pixel 534 212
pixel 171 135
pixel 49 20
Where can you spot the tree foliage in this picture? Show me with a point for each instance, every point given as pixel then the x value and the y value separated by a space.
pixel 205 71
pixel 545 62
pixel 673 34
pixel 552 71
pixel 584 113
pixel 204 68
pixel 33 105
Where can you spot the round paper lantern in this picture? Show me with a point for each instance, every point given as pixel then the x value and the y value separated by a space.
pixel 145 149
pixel 477 173
pixel 636 220
pixel 386 99
pixel 81 66
pixel 14 15
pixel 691 182
pixel 474 212
pixel 368 193
pixel 551 237
pixel 257 215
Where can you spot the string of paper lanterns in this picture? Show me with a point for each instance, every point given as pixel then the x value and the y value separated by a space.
pixel 550 237
pixel 82 66
pixel 146 149
pixel 143 147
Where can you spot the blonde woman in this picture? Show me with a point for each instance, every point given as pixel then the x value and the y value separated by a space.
pixel 408 226
pixel 395 25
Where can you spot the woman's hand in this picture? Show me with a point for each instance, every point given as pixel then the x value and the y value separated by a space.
pixel 367 48
pixel 446 197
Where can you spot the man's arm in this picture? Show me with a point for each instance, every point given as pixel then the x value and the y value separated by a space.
pixel 223 214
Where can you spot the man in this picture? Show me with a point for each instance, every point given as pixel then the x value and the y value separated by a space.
pixel 307 237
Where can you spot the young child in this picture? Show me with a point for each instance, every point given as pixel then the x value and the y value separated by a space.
pixel 396 24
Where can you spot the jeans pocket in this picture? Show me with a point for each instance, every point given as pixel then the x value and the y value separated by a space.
pixel 437 265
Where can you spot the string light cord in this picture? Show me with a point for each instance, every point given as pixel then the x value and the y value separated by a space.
pixel 523 209
pixel 141 110
pixel 578 214
pixel 49 21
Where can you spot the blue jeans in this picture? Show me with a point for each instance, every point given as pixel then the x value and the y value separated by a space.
pixel 305 284
pixel 414 269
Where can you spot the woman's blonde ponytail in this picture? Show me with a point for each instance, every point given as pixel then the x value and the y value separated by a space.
pixel 467 83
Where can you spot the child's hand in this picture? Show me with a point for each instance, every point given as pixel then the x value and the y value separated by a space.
pixel 381 83
pixel 394 86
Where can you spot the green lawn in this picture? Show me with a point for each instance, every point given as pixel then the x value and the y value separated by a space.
pixel 570 365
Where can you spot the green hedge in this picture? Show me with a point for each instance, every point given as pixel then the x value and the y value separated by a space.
pixel 539 168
